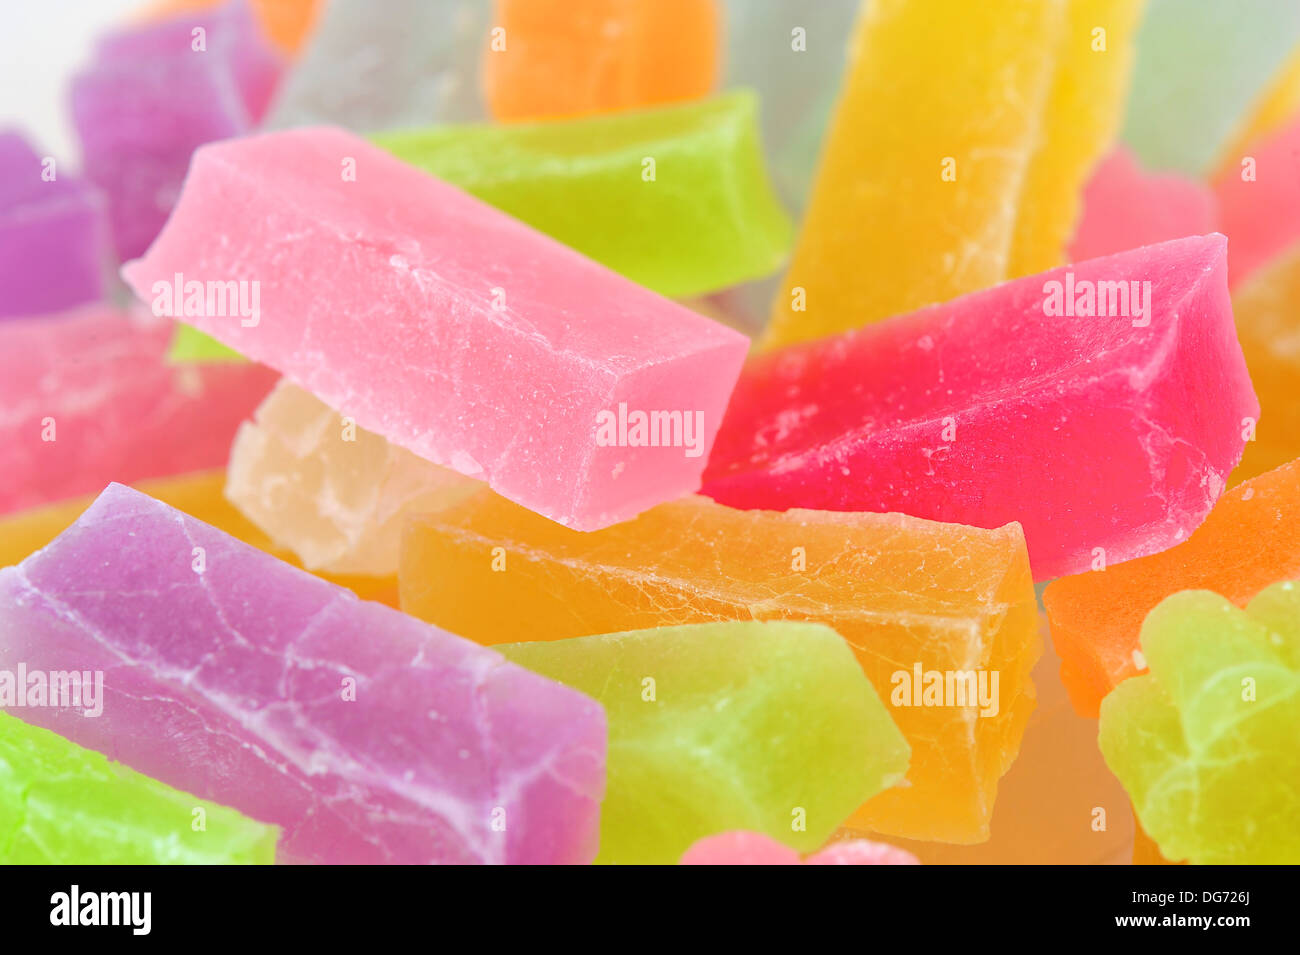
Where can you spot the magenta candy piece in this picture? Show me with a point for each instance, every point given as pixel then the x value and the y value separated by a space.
pixel 739 847
pixel 861 852
pixel 367 735
pixel 1106 437
pixel 148 99
pixel 53 234
pixel 1260 202
pixel 88 399
pixel 1125 207
pixel 448 327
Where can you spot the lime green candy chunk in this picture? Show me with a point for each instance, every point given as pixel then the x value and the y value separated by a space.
pixel 1208 743
pixel 770 727
pixel 191 345
pixel 677 198
pixel 61 804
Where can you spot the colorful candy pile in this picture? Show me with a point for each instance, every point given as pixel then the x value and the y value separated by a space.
pixel 467 458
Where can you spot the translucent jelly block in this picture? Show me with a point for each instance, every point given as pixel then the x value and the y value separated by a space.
pixel 690 178
pixel 1200 64
pixel 333 493
pixel 549 58
pixel 793 56
pixel 286 23
pixel 198 495
pixel 416 64
pixel 1048 805
pixel 940 175
pixel 53 234
pixel 88 399
pixel 1125 207
pixel 754 848
pixel 904 593
pixel 1278 103
pixel 1259 202
pixel 365 735
pixel 1266 306
pixel 720 725
pixel 1206 744
pixel 64 805
pixel 149 98
pixel 448 327
pixel 1100 405
pixel 1246 543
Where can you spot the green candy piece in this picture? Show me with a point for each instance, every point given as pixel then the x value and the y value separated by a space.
pixel 1208 743
pixel 61 804
pixel 707 220
pixel 191 345
pixel 1200 65
pixel 770 727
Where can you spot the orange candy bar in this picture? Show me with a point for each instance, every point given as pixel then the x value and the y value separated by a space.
pixel 549 58
pixel 1248 541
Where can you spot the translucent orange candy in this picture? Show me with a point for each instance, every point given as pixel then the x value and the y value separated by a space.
pixel 549 58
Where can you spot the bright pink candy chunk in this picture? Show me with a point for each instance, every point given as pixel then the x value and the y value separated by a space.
pixel 88 399
pixel 1125 207
pixel 367 735
pixel 1106 437
pixel 755 848
pixel 448 327
pixel 1261 203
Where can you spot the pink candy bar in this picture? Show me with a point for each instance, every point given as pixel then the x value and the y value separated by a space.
pixel 448 327
pixel 87 399
pixel 1102 405
pixel 1125 207
pixel 1260 202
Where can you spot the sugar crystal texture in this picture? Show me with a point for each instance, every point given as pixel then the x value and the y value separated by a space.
pixel 448 327
pixel 149 97
pixel 902 592
pixel 703 218
pixel 85 399
pixel 719 725
pixel 1200 65
pixel 1100 405
pixel 552 58
pixel 1259 203
pixel 53 234
pixel 1247 542
pixel 1267 309
pixel 741 847
pixel 64 805
pixel 364 734
pixel 1124 207
pixel 199 495
pixel 416 63
pixel 335 494
pixel 1206 743
pixel 941 176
